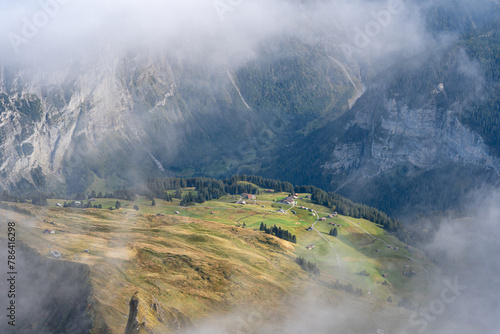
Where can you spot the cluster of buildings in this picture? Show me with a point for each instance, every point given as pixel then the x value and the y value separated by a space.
pixel 249 196
pixel 288 200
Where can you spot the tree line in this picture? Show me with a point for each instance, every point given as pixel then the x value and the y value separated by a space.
pixel 308 266
pixel 333 201
pixel 278 232
pixel 347 287
pixel 36 197
pixel 347 207
pixel 208 189
pixel 88 205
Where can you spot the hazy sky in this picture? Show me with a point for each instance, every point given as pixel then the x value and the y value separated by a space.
pixel 53 30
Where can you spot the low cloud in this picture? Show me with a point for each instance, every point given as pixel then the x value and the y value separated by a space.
pixel 49 32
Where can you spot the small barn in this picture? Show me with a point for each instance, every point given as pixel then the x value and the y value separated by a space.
pixel 288 200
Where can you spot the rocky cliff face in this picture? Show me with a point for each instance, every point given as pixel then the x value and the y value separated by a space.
pixel 77 126
pixel 416 157
pixel 155 115
pixel 408 145
pixel 295 110
pixel 422 137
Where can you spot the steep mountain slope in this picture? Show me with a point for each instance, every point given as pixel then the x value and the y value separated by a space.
pixel 370 125
pixel 166 115
pixel 421 136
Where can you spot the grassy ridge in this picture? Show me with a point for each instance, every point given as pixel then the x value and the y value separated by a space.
pixel 203 262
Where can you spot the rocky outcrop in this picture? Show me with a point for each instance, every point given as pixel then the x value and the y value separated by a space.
pixel 148 315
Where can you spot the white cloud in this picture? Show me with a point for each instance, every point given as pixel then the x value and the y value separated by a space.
pixel 38 32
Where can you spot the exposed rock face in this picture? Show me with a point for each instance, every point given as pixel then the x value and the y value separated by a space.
pixel 415 155
pixel 125 118
pixel 406 146
pixel 423 138
pixel 148 315
pixel 155 114
pixel 86 123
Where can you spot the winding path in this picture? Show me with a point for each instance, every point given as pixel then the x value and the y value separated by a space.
pixel 321 235
pixel 348 221
pixel 375 238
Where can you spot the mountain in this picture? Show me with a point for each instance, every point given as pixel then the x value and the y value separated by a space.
pixel 264 166
pixel 157 116
pixel 420 138
pixel 381 124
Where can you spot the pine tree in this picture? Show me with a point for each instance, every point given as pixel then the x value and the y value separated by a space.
pixel 153 203
pixel 335 232
pixel 118 205
pixel 178 194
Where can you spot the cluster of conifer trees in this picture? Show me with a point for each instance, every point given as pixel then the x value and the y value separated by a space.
pixel 82 205
pixel 347 207
pixel 37 198
pixel 348 288
pixel 333 232
pixel 208 189
pixel 280 233
pixel 125 194
pixel 308 266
